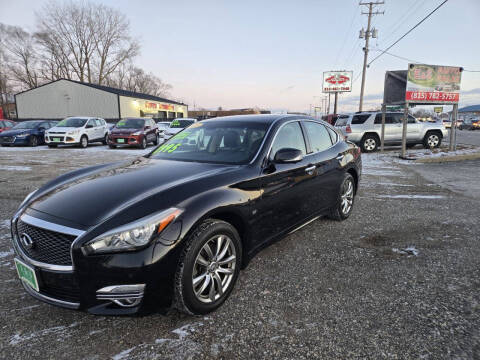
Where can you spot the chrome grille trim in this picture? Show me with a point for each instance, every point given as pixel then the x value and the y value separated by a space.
pixel 50 226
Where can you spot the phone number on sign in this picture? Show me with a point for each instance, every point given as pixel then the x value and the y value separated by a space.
pixel 432 96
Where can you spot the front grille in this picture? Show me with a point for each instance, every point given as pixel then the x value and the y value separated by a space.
pixel 59 286
pixel 48 246
pixel 7 139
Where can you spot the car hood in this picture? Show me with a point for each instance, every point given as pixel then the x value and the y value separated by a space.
pixel 97 195
pixel 125 131
pixel 16 132
pixel 173 131
pixel 63 129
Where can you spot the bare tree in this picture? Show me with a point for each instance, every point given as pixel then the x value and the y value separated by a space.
pixel 84 41
pixel 22 57
pixel 135 79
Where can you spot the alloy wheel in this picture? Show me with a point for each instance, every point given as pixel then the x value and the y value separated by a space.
pixel 433 140
pixel 214 268
pixel 370 144
pixel 84 142
pixel 347 196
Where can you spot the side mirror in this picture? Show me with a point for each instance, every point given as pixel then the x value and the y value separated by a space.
pixel 147 127
pixel 88 126
pixel 288 155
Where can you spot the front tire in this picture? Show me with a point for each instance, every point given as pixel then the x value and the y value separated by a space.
pixel 432 140
pixel 143 145
pixel 33 142
pixel 369 143
pixel 83 142
pixel 208 267
pixel 345 199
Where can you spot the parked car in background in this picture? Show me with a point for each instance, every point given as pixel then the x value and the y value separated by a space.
pixel 77 131
pixel 332 118
pixel 162 126
pixel 466 124
pixel 6 125
pixel 31 133
pixel 476 124
pixel 176 126
pixel 138 132
pixel 365 129
pixel 178 224
pixel 447 124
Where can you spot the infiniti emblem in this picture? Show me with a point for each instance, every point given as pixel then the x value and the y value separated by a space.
pixel 27 241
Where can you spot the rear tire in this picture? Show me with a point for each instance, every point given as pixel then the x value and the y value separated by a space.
pixel 215 271
pixel 345 199
pixel 432 139
pixel 105 139
pixel 156 141
pixel 369 143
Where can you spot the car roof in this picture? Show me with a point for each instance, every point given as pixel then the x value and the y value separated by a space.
pixel 261 118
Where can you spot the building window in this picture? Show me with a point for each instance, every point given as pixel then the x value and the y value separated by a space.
pixel 162 115
pixel 171 114
pixel 179 115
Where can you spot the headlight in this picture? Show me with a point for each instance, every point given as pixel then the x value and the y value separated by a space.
pixel 28 197
pixel 137 133
pixel 22 135
pixel 73 132
pixel 134 235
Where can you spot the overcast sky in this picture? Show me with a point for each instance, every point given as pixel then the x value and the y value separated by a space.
pixel 272 53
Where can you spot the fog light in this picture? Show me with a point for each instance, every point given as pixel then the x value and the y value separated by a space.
pixel 122 295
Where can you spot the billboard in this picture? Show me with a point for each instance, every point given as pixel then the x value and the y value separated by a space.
pixel 433 84
pixel 337 81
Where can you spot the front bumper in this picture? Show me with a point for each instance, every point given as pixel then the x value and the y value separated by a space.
pixel 110 284
pixel 14 140
pixel 62 139
pixel 125 140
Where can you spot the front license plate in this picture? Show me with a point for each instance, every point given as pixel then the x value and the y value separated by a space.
pixel 56 139
pixel 26 274
pixel 120 140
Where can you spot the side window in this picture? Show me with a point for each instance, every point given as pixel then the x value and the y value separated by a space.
pixel 98 122
pixel 341 121
pixel 333 135
pixel 411 119
pixel 91 122
pixel 389 119
pixel 318 135
pixel 289 136
pixel 44 125
pixel 359 119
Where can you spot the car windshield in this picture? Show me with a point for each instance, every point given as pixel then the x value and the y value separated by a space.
pixel 181 123
pixel 27 125
pixel 72 122
pixel 223 142
pixel 130 124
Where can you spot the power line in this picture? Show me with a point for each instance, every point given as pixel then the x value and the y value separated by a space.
pixel 409 31
pixel 355 14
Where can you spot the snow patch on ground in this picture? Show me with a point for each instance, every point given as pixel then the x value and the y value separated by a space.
pixel 5 224
pixel 124 354
pixel 15 168
pixel 410 250
pixel 59 331
pixel 4 254
pixel 411 196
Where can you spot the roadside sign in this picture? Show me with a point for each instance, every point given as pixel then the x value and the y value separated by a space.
pixel 438 109
pixel 433 84
pixel 337 81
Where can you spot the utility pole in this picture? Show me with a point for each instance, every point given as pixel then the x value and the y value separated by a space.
pixel 367 34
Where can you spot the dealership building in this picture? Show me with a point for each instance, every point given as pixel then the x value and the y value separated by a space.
pixel 63 98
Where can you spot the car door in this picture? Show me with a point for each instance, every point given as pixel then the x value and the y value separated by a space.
pixel 91 129
pixel 284 201
pixel 326 159
pixel 393 128
pixel 99 129
pixel 413 129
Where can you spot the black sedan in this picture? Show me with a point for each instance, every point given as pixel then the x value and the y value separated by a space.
pixel 176 226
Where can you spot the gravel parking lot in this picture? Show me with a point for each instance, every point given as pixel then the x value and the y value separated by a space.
pixel 400 279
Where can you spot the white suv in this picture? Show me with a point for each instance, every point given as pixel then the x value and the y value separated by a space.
pixel 365 130
pixel 77 131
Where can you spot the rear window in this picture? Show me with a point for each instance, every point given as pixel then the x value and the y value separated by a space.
pixel 341 121
pixel 359 119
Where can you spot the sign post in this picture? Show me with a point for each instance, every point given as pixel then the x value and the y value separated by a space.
pixel 335 82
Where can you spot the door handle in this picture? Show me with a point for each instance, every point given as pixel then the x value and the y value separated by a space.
pixel 340 157
pixel 309 170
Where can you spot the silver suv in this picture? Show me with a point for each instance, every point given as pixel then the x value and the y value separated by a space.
pixel 365 130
